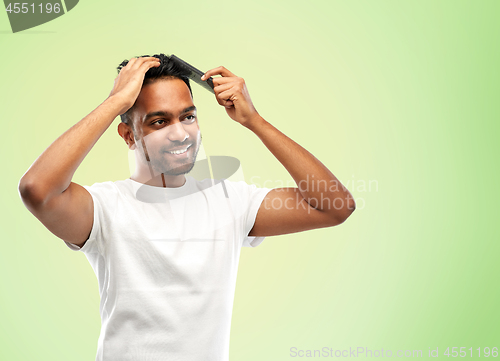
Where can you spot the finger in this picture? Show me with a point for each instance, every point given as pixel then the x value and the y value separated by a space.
pixel 129 63
pixel 226 95
pixel 217 71
pixel 149 58
pixel 221 80
pixel 220 88
pixel 145 59
pixel 222 100
pixel 225 98
pixel 149 64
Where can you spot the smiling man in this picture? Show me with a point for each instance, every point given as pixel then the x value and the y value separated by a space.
pixel 165 246
pixel 161 152
pixel 165 95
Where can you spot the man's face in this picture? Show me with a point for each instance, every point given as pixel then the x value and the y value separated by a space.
pixel 165 121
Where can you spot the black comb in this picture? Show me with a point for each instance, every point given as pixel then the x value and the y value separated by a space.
pixel 194 74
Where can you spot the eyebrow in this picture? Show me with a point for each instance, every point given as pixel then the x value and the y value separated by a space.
pixel 162 113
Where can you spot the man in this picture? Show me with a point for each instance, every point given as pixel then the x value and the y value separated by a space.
pixel 164 246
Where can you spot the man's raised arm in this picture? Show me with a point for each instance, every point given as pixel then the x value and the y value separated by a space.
pixel 320 199
pixel 64 207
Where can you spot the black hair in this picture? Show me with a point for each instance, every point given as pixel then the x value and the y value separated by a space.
pixel 167 69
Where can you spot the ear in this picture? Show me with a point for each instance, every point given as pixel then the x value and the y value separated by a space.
pixel 126 133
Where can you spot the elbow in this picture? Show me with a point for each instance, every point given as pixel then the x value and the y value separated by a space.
pixel 30 193
pixel 345 212
pixel 351 206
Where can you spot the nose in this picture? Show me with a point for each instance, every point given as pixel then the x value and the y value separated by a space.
pixel 176 132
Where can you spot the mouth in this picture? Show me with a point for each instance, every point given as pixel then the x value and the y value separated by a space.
pixel 179 152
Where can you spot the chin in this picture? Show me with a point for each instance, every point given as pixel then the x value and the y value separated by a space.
pixel 178 170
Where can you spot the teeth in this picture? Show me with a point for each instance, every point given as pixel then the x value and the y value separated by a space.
pixel 178 151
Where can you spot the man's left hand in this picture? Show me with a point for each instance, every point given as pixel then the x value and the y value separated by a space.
pixel 231 92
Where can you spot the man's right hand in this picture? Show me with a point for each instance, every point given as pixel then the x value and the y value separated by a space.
pixel 129 81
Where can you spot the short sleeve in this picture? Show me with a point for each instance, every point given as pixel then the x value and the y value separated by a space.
pixel 252 199
pixel 91 245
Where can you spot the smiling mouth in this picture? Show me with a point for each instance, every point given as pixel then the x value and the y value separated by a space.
pixel 180 151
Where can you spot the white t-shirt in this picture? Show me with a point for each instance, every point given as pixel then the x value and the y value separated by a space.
pixel 166 261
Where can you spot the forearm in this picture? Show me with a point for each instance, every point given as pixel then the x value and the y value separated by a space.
pixel 52 171
pixel 317 185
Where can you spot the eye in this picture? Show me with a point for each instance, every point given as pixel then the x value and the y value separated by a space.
pixel 159 122
pixel 189 119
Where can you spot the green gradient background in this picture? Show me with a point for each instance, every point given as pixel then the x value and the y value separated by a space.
pixel 401 93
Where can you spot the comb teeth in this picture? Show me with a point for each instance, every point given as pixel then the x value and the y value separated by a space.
pixel 193 73
pixel 189 72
